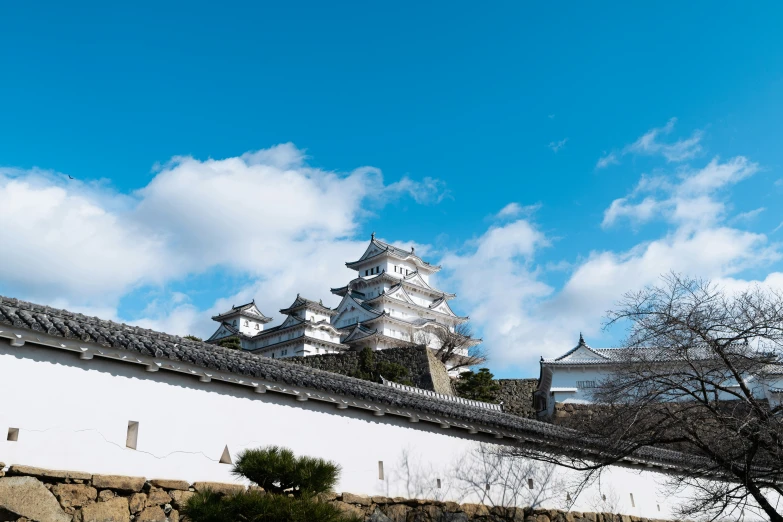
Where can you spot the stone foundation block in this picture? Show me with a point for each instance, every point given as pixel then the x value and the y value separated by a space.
pixel 350 498
pixel 47 475
pixel 152 514
pixel 182 485
pixel 137 502
pixel 119 483
pixel 180 498
pixel 74 495
pixel 113 510
pixel 157 497
pixel 218 487
pixel 27 497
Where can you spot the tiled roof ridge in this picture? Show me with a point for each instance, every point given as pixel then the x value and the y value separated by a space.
pixel 63 323
pixel 394 250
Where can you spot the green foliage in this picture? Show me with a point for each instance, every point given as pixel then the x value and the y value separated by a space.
pixel 193 338
pixel 253 506
pixel 290 485
pixel 371 370
pixel 230 342
pixel 479 386
pixel 278 470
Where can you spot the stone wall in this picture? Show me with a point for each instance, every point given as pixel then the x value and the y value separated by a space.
pixel 517 396
pixel 425 370
pixel 30 494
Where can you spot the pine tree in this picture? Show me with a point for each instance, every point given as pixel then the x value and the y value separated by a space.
pixel 290 485
pixel 230 342
pixel 479 386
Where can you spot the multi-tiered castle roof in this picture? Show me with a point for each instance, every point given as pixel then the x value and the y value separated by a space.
pixel 389 303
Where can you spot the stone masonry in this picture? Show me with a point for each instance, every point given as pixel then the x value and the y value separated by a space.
pixel 29 494
pixel 517 396
pixel 426 372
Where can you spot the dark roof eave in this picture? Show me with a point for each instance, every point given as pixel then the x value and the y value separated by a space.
pixel 64 324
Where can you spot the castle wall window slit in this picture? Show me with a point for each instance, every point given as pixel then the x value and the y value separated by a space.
pixel 132 436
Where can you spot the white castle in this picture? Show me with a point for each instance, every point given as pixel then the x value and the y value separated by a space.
pixel 389 304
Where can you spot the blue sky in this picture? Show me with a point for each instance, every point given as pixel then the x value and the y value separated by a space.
pixel 622 141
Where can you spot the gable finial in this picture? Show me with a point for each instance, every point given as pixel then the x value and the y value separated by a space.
pixel 581 339
pixel 372 236
pixel 413 249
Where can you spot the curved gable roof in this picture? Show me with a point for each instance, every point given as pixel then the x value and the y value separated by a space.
pixel 249 310
pixel 378 248
pixel 581 354
pixel 308 304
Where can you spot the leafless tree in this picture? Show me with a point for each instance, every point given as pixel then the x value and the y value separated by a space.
pixel 691 377
pixel 457 348
pixel 605 499
pixel 485 473
pixel 417 480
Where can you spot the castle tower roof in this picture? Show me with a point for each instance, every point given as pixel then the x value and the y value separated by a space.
pixel 378 249
pixel 248 310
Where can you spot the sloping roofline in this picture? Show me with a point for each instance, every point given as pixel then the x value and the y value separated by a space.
pixel 242 311
pixel 22 322
pixel 399 253
pixel 302 302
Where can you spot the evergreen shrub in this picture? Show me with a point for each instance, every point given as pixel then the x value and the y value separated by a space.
pixel 290 485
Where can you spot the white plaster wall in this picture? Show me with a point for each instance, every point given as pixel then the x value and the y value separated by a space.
pixel 570 377
pixel 73 414
pixel 565 377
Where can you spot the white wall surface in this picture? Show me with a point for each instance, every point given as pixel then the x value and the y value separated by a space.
pixel 73 414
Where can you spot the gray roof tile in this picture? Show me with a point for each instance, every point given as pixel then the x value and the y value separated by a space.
pixel 62 323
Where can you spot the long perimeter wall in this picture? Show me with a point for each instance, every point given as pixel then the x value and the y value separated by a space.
pixel 62 412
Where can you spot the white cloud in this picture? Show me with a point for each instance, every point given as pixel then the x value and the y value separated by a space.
pixel 266 215
pixel 428 190
pixel 522 317
pixel 650 144
pixel 557 145
pixel 689 198
pixel 607 160
pixel 717 175
pixel 637 212
pixel 513 210
pixel 677 151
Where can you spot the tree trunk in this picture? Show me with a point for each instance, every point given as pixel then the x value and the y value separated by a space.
pixel 759 497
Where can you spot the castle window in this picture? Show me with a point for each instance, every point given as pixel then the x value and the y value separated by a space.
pixel 13 434
pixel 380 470
pixel 132 436
pixel 256 326
pixel 366 272
pixel 246 323
pixel 585 384
pixel 235 322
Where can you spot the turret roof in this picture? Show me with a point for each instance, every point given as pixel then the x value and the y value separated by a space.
pixel 246 310
pixel 406 281
pixel 378 248
pixel 387 297
pixel 308 304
